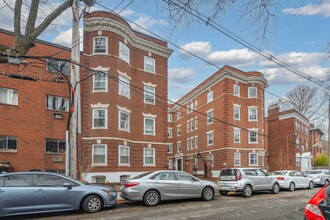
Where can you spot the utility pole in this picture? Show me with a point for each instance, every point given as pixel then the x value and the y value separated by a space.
pixel 75 96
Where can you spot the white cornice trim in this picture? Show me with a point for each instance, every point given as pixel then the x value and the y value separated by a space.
pixel 124 109
pixel 123 139
pixel 124 75
pixel 253 106
pixel 237 105
pixel 100 68
pixel 211 131
pixel 294 115
pixel 149 115
pixel 149 84
pixel 99 105
pixel 210 110
pixel 253 129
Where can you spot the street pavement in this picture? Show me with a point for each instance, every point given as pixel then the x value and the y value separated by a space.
pixel 285 205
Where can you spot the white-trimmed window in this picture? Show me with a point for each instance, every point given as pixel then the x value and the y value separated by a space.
pixel 188 126
pixel 124 121
pixel 124 52
pixel 149 157
pixel 170 132
pixel 210 138
pixel 192 125
pixel 237 159
pixel 57 103
pixel 149 64
pixel 8 96
pixel 100 118
pixel 196 123
pixel 263 137
pixel 237 135
pixel 252 92
pixel 196 104
pixel 100 82
pixel 209 117
pixel 149 125
pixel 211 158
pixel 188 144
pixel 237 113
pixel 149 94
pixel 178 130
pixel 210 96
pixel 99 157
pixel 253 136
pixel 178 115
pixel 196 141
pixel 54 146
pixel 192 142
pixel 253 114
pixel 297 159
pixel 9 144
pixel 170 163
pixel 58 66
pixel 169 118
pixel 124 155
pixel 297 143
pixel 236 90
pixel 100 45
pixel 178 146
pixel 253 159
pixel 170 148
pixel 124 86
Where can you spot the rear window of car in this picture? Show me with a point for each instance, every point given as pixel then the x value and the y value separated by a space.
pixel 228 172
pixel 313 172
pixel 275 173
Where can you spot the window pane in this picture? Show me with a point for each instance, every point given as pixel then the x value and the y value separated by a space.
pixel 100 44
pixel 19 180
pixel 47 180
pixel 51 146
pixel 53 65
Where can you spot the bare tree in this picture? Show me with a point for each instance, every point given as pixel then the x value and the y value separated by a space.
pixel 305 100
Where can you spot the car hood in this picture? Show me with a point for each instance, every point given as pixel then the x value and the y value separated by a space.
pixel 97 186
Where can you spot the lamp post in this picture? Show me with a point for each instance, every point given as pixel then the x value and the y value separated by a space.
pixel 287 149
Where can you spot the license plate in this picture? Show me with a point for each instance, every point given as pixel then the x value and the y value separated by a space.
pixel 224 187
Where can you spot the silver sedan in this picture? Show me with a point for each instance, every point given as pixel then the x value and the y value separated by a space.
pixel 153 187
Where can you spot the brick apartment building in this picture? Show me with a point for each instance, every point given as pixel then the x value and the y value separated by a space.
pixel 34 111
pixel 124 111
pixel 289 143
pixel 221 121
pixel 315 138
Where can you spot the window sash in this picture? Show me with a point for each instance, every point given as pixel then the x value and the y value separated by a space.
pixel 170 148
pixel 149 94
pixel 57 103
pixel 55 146
pixel 253 112
pixel 8 144
pixel 236 90
pixel 253 137
pixel 252 92
pixel 100 81
pixel 124 121
pixel 100 45
pixel 149 156
pixel 237 112
pixel 209 138
pixel 149 64
pixel 124 52
pixel 210 117
pixel 8 96
pixel 253 158
pixel 124 155
pixel 99 154
pixel 149 125
pixel 237 136
pixel 124 86
pixel 237 159
pixel 99 118
pixel 210 96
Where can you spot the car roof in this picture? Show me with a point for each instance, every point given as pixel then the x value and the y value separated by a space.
pixel 32 172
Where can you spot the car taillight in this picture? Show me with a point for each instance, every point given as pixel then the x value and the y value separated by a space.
pixel 238 176
pixel 127 185
pixel 280 178
pixel 318 177
pixel 312 209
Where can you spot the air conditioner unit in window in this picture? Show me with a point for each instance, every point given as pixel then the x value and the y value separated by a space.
pixel 58 159
pixel 58 116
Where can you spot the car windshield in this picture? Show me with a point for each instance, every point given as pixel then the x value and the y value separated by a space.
pixel 141 175
pixel 313 172
pixel 275 173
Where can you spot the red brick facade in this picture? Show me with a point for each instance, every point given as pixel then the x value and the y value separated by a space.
pixel 195 108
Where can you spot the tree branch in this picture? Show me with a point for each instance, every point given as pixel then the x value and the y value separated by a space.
pixel 30 24
pixel 17 17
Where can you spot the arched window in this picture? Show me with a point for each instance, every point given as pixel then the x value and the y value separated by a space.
pixel 297 159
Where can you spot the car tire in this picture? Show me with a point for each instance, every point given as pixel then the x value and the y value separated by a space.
pixel 291 187
pixel 92 204
pixel 207 194
pixel 326 182
pixel 151 198
pixel 247 191
pixel 276 188
pixel 311 185
pixel 223 193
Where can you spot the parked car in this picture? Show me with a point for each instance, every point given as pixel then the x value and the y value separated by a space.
pixel 291 179
pixel 319 207
pixel 37 192
pixel 153 187
pixel 319 177
pixel 246 181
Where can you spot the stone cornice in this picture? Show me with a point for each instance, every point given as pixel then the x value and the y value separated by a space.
pixel 108 24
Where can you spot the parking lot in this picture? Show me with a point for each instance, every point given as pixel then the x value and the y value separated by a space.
pixel 285 205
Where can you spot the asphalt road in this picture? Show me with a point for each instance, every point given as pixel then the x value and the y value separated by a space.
pixel 285 205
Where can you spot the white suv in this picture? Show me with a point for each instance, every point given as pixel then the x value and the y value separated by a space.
pixel 246 180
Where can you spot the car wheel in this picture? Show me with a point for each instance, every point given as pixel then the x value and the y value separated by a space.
pixel 311 185
pixel 326 182
pixel 151 198
pixel 276 188
pixel 207 194
pixel 223 193
pixel 291 187
pixel 247 191
pixel 92 204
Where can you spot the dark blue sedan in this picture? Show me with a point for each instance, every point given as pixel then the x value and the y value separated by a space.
pixel 40 192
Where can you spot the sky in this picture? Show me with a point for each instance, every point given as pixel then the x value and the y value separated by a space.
pixel 298 35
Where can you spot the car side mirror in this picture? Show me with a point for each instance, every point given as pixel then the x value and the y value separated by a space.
pixel 195 179
pixel 68 185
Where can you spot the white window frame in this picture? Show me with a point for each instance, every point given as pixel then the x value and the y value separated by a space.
pixel 169 117
pixel 105 80
pixel 298 160
pixel 188 144
pixel 236 92
pixel 106 44
pixel 250 91
pixel 11 96
pixel 124 88
pixel 256 131
pixel 57 102
pixel 149 61
pixel 170 163
pixel 105 118
pixel 170 132
pixel 178 146
pixel 196 142
pixel 128 123
pixel 120 163
pixel 151 92
pixel 255 164
pixel 239 112
pixel 170 148
pixel 237 157
pixel 178 115
pixel 210 96
pixel 210 117
pixel 237 130
pixel 122 56
pixel 153 156
pixel 250 111
pixel 209 135
pixel 105 156
pixel 144 125
pixel 178 131
pixel 196 123
pixel 211 157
